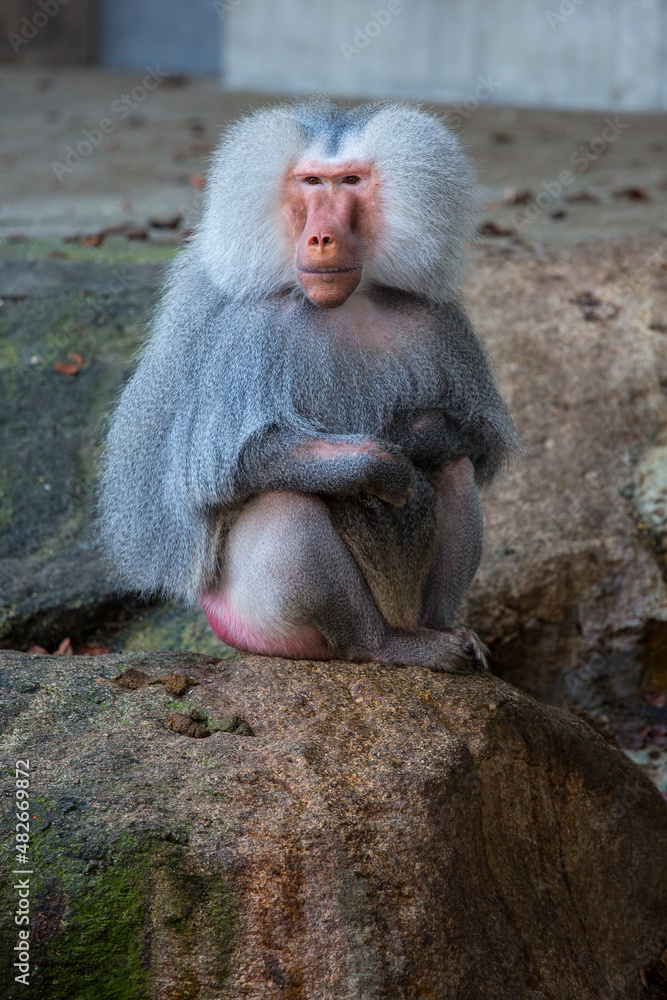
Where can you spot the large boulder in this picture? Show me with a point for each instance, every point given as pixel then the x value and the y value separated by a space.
pixel 571 593
pixel 68 329
pixel 60 301
pixel 262 828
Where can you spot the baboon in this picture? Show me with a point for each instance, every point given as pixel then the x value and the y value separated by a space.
pixel 301 445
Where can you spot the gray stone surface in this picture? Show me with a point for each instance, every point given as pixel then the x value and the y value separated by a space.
pixel 33 278
pixel 54 583
pixel 570 596
pixel 52 579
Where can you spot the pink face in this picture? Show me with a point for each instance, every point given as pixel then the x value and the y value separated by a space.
pixel 330 213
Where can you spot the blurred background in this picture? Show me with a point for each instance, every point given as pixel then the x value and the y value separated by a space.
pixel 602 54
pixel 162 76
pixel 109 111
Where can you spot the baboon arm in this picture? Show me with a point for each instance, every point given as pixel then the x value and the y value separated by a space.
pixel 330 465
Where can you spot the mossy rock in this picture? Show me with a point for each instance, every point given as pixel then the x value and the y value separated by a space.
pixel 52 580
pixel 87 307
pixel 203 829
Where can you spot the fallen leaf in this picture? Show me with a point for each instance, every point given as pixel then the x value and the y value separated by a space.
pixel 86 650
pixel 66 368
pixel 65 648
pixel 169 222
pixel 36 649
pixel 581 196
pixel 137 233
pixel 491 228
pixel 513 197
pixel 174 684
pixel 642 976
pixel 76 358
pixel 632 193
pixel 93 240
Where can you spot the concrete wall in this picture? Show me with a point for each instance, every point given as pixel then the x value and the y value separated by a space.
pixel 181 36
pixel 597 54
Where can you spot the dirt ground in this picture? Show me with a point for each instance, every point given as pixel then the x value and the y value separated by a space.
pixel 547 176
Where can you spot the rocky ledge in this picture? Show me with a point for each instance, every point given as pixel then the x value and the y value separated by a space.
pixel 260 828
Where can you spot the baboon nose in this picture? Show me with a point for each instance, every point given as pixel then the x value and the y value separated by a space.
pixel 323 240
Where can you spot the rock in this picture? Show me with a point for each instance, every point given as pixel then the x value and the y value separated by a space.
pixel 170 626
pixel 52 579
pixel 570 597
pixel 649 494
pixel 385 834
pixel 650 498
pixel 43 278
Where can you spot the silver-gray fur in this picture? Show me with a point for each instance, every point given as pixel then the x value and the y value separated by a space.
pixel 427 182
pixel 241 367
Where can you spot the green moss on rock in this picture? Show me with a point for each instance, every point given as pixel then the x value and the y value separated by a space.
pixel 172 626
pixel 114 249
pixel 107 921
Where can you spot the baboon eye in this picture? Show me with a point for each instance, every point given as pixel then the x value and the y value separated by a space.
pixel 351 179
pixel 312 180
